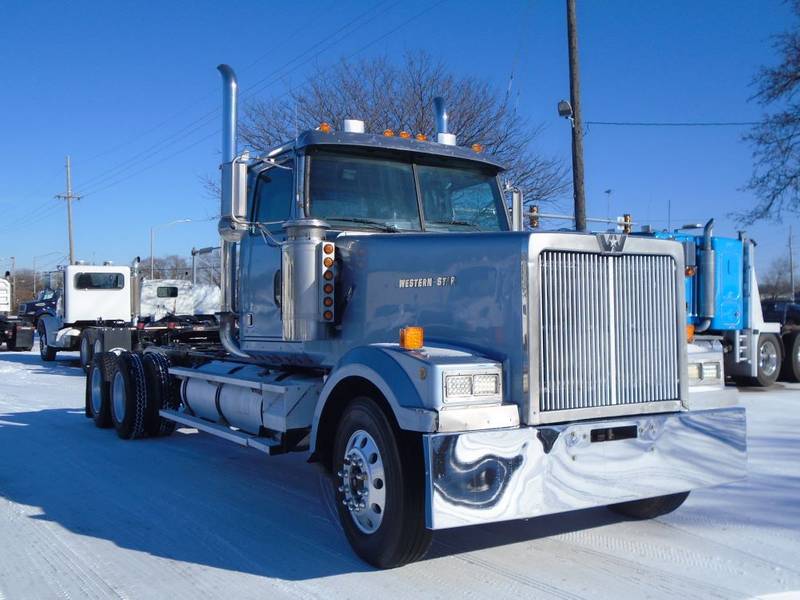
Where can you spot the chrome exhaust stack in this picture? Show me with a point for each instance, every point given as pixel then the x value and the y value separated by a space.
pixel 233 211
pixel 706 295
pixel 442 119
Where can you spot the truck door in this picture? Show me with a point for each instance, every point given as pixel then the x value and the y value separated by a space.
pixel 260 260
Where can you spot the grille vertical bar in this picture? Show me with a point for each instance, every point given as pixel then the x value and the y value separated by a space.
pixel 608 330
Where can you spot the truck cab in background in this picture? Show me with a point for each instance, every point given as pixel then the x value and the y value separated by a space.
pixel 89 295
pixel 724 310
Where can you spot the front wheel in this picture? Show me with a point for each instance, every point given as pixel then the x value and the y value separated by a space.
pixel 380 488
pixel 650 508
pixel 47 352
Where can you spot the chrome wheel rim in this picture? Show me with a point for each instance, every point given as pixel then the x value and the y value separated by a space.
pixel 118 395
pixel 363 481
pixel 97 391
pixel 768 358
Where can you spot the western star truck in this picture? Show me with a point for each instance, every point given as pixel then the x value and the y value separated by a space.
pixel 15 332
pixel 380 312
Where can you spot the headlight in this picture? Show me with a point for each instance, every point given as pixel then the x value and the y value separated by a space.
pixel 458 385
pixel 704 373
pixel 477 385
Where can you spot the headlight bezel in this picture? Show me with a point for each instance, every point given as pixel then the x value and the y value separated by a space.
pixel 458 392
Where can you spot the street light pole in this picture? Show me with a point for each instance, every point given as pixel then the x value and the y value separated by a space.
pixel 578 193
pixel 152 237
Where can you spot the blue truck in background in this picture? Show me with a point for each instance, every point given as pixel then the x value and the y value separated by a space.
pixel 723 307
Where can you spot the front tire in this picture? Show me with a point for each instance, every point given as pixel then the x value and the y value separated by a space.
pixel 380 487
pixel 47 352
pixel 129 397
pixel 650 508
pixel 790 370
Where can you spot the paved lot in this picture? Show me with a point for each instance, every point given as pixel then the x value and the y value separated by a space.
pixel 84 514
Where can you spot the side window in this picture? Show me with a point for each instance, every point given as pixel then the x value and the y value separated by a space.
pixel 274 193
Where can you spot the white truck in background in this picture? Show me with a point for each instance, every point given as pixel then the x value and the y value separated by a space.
pixel 92 295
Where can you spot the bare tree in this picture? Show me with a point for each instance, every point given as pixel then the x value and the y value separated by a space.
pixel 776 140
pixel 167 267
pixel 400 97
pixel 775 281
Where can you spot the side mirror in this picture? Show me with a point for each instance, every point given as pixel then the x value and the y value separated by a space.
pixel 232 224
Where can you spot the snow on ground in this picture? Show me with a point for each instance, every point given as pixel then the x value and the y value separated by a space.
pixel 85 514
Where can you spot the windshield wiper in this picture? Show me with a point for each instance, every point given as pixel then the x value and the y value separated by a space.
pixel 374 222
pixel 462 223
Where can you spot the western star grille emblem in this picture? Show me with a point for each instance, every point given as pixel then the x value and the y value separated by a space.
pixel 420 282
pixel 612 242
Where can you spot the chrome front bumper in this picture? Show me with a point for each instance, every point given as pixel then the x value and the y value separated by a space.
pixel 486 476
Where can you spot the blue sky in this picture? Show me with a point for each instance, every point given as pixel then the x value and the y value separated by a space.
pixel 128 89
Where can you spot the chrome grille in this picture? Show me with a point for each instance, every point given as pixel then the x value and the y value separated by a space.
pixel 608 330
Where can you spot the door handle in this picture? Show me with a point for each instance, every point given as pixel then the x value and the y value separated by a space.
pixel 276 288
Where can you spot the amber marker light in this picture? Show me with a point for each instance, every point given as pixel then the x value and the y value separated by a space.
pixel 477 148
pixel 690 271
pixel 412 338
pixel 327 315
pixel 421 137
pixel 325 127
pixel 328 275
pixel 388 132
pixel 328 248
pixel 328 301
pixel 405 135
pixel 690 333
pixel 328 288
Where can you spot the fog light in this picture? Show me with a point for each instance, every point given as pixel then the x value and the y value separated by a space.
pixel 486 385
pixel 458 385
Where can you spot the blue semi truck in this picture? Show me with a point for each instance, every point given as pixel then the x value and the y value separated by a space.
pixel 723 307
pixel 382 313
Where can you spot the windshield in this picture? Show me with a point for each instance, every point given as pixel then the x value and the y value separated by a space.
pixel 456 199
pixel 364 193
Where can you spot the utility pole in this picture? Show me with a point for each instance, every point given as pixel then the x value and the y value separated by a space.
pixel 578 193
pixel 13 281
pixel 791 264
pixel 69 197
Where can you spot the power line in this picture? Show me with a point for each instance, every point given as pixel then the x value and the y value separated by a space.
pixel 252 90
pixel 209 117
pixel 674 123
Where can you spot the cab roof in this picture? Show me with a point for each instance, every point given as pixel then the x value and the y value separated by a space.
pixel 316 138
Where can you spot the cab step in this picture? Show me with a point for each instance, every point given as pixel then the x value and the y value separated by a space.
pixel 262 444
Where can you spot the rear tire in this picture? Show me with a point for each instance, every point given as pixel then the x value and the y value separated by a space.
pixel 768 355
pixel 790 369
pixel 163 391
pixel 98 389
pixel 86 351
pixel 380 494
pixel 47 352
pixel 650 508
pixel 129 396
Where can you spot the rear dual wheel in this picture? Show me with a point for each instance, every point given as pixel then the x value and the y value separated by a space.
pixel 127 391
pixel 86 352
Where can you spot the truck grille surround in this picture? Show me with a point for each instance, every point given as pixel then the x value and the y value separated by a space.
pixel 609 336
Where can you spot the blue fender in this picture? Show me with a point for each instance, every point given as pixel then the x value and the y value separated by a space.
pixel 380 367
